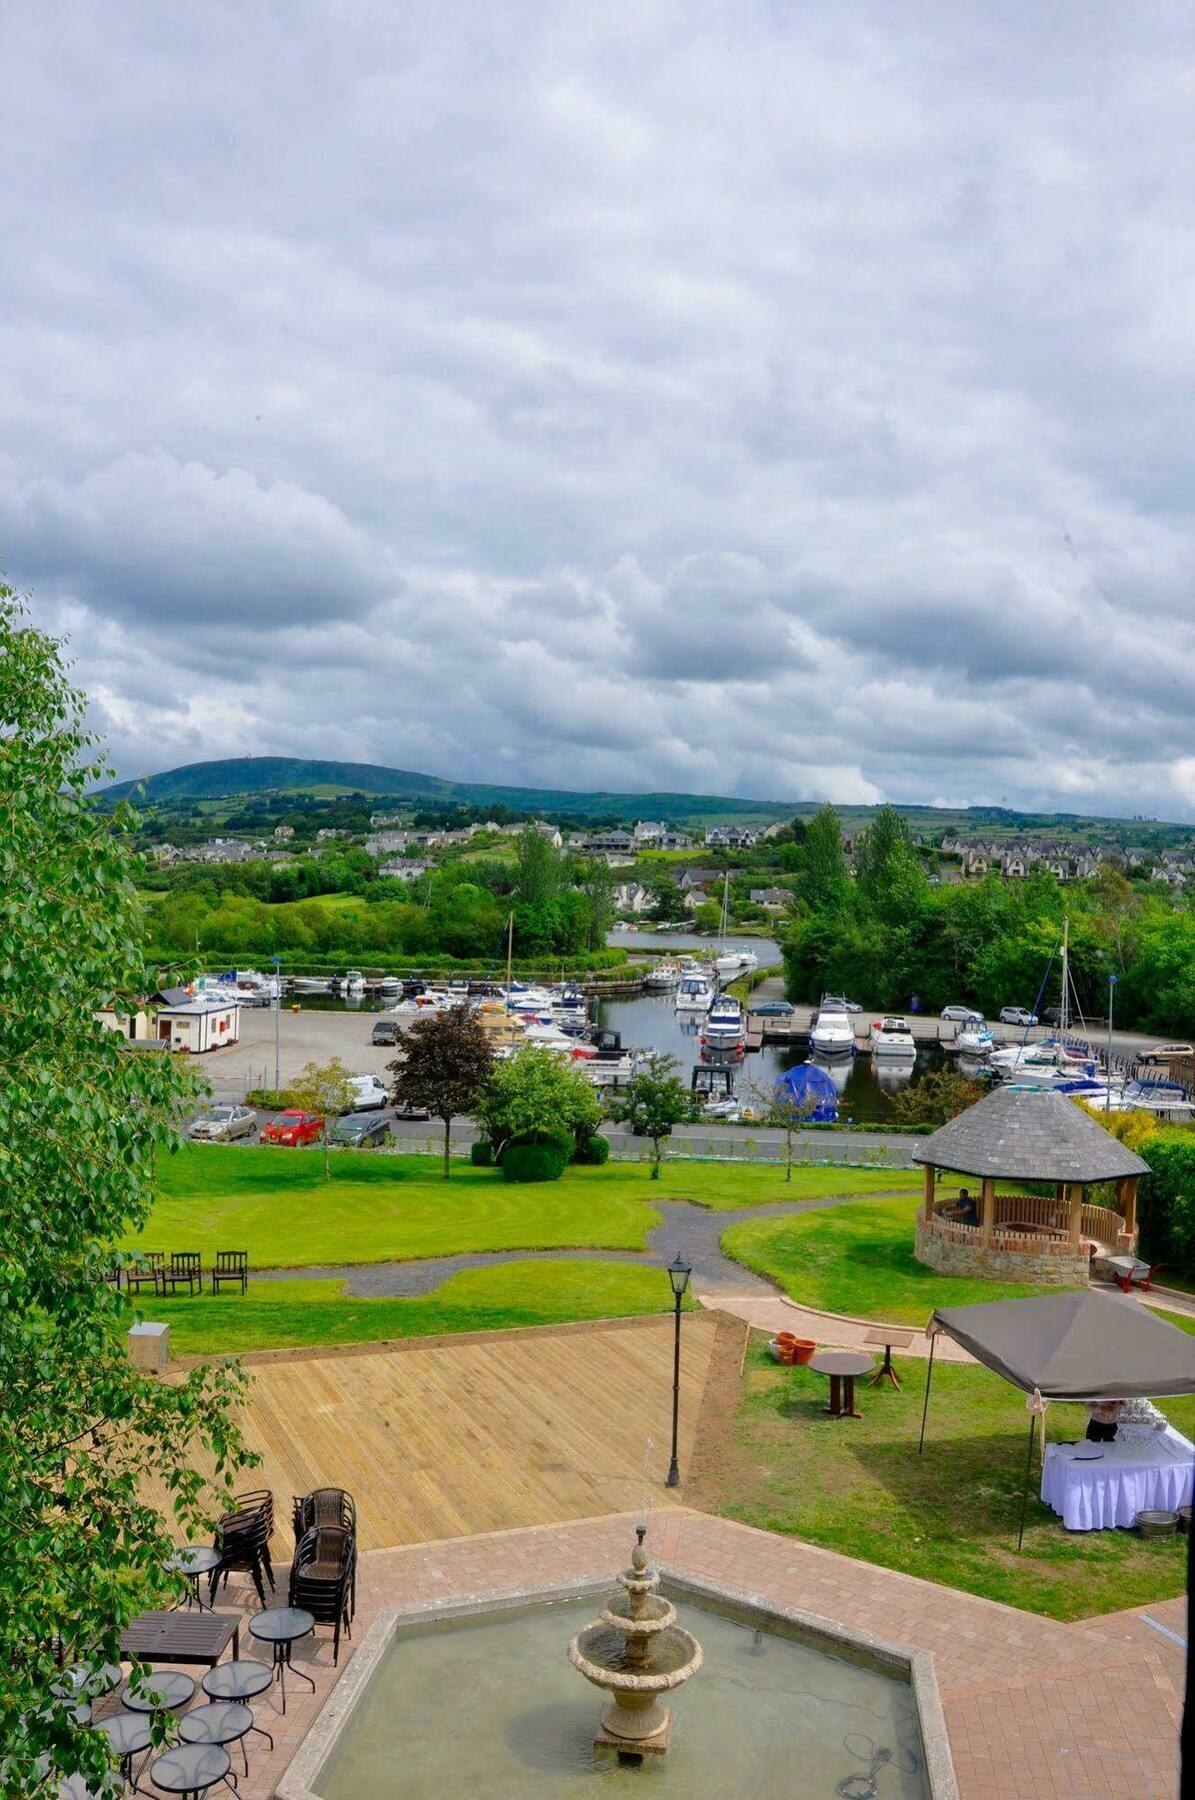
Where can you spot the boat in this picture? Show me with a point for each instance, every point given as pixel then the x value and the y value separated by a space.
pixel 665 974
pixel 313 984
pixel 976 1041
pixel 725 1028
pixel 389 984
pixel 1167 1099
pixel 694 993
pixel 354 982
pixel 891 1037
pixel 1042 1065
pixel 832 1033
pixel 737 960
pixel 811 1090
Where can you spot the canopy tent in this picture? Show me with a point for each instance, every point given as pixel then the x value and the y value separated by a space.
pixel 1068 1346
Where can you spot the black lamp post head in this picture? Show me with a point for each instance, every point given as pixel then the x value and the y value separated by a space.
pixel 679 1272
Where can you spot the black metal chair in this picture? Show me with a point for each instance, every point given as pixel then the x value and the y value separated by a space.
pixel 321 1579
pixel 231 1267
pixel 328 1506
pixel 185 1269
pixel 146 1272
pixel 243 1541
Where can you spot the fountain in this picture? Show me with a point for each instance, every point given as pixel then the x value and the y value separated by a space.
pixel 635 1651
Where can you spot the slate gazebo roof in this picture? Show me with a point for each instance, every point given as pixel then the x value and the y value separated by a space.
pixel 1029 1134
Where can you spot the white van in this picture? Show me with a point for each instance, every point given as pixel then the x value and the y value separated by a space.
pixel 368 1093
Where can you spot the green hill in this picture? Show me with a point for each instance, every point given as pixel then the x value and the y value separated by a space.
pixel 240 776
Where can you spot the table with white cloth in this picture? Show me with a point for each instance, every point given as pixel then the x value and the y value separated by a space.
pixel 1139 1470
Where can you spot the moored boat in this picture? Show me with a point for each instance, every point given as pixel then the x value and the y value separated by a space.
pixel 891 1038
pixel 832 1033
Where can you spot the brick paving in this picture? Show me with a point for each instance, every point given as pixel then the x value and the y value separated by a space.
pixel 773 1313
pixel 1036 1710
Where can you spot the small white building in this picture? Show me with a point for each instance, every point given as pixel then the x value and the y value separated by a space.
pixel 193 1018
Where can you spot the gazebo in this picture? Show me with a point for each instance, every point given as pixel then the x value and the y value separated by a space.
pixel 1026 1134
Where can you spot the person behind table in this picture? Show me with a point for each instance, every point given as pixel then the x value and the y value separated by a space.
pixel 1103 1417
pixel 965 1209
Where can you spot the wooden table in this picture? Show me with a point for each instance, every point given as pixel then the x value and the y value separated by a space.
pixel 182 1637
pixel 888 1340
pixel 842 1366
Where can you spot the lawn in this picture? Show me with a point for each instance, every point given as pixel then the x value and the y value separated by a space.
pixel 279 1314
pixel 276 1204
pixel 857 1260
pixel 859 1487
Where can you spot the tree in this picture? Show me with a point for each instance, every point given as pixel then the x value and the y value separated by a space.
pixel 447 1062
pixel 538 872
pixel 936 1099
pixel 533 1094
pixel 653 1101
pixel 668 903
pixel 825 860
pixel 707 917
pixel 325 1088
pixel 82 1433
pixel 595 882
pixel 781 1110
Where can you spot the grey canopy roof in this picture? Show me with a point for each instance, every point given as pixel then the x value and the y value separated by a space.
pixel 1029 1134
pixel 1075 1346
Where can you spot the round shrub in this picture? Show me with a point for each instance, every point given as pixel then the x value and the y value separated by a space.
pixel 533 1161
pixel 481 1153
pixel 594 1150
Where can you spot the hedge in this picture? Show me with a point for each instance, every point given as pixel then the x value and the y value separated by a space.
pixel 534 1162
pixel 593 1150
pixel 1166 1204
pixel 481 1153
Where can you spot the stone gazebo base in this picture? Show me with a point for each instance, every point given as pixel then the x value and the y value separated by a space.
pixel 960 1250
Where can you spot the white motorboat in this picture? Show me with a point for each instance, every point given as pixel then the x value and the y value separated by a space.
pixel 694 993
pixel 665 974
pixel 735 962
pixel 725 1028
pixel 389 984
pixel 976 1041
pixel 833 1033
pixel 354 982
pixel 1041 1065
pixel 891 1038
pixel 313 984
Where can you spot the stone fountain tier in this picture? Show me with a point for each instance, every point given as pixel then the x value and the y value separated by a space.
pixel 636 1652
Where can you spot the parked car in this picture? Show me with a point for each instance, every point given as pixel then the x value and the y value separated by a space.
pixel 1017 1015
pixel 851 1006
pixel 293 1127
pixel 1162 1053
pixel 962 1015
pixel 384 1032
pixel 772 1009
pixel 369 1093
pixel 1050 1015
pixel 221 1124
pixel 411 1112
pixel 360 1131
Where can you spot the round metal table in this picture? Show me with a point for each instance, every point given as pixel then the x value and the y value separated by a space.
pixel 280 1626
pixel 164 1691
pixel 842 1366
pixel 128 1734
pixel 221 1722
pixel 87 1682
pixel 242 1679
pixel 191 1769
pixel 193 1561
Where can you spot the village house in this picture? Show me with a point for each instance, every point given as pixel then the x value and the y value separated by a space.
pixel 729 837
pixel 632 897
pixel 193 1018
pixel 403 869
pixel 772 899
pixel 283 832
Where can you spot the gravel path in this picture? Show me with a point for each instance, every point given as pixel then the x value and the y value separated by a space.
pixel 694 1232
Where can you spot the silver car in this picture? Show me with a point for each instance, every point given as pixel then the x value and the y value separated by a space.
pixel 962 1015
pixel 221 1124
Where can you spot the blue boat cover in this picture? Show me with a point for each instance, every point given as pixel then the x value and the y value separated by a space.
pixel 809 1086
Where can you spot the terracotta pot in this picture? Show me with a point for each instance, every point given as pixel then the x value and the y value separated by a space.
pixel 802 1349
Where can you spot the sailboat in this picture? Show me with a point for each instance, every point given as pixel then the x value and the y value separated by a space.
pixel 731 961
pixel 1053 1061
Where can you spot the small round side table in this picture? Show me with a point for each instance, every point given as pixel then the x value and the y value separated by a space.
pixel 280 1626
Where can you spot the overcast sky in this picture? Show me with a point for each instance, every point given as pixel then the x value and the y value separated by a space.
pixel 788 400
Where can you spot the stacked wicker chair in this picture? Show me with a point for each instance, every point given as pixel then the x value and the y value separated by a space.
pixel 323 1577
pixel 243 1540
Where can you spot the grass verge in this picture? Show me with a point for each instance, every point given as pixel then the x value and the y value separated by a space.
pixel 859 1487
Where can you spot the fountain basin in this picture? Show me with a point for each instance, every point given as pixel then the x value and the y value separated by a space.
pixel 478 1698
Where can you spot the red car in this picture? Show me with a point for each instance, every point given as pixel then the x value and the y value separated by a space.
pixel 293 1127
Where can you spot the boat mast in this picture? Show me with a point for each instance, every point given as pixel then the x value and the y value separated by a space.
pixel 510 950
pixel 725 907
pixel 1064 1011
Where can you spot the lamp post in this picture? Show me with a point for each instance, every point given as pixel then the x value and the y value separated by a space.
pixel 1108 1057
pixel 679 1272
pixel 277 1014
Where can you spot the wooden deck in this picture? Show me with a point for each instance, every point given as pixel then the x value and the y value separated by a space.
pixel 480 1434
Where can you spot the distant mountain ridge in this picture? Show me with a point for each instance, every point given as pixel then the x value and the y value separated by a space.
pixel 243 775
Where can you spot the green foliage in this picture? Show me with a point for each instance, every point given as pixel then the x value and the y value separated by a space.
pixel 939 1096
pixel 707 917
pixel 272 1099
pixel 85 1124
pixel 594 1150
pixel 823 862
pixel 1166 1201
pixel 444 1067
pixel 324 1088
pixel 653 1101
pixel 534 1159
pixel 668 903
pixel 534 1093
pixel 481 1153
